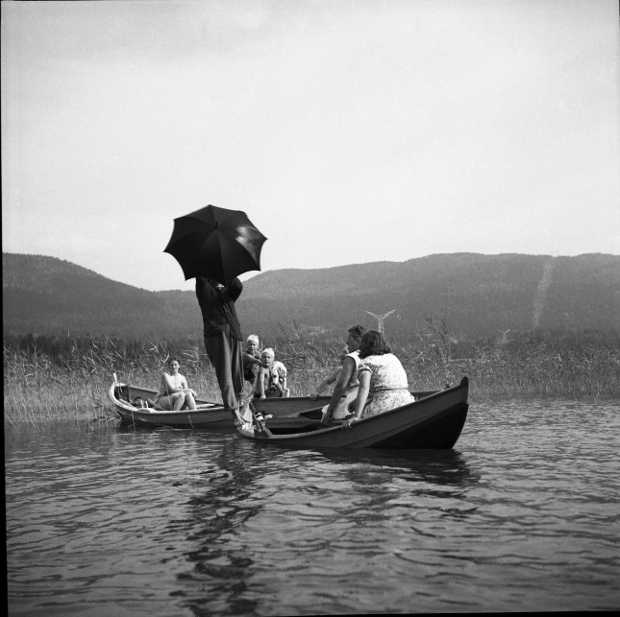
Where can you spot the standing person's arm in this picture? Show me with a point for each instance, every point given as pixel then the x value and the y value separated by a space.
pixel 205 292
pixel 234 289
pixel 200 284
pixel 204 287
pixel 342 382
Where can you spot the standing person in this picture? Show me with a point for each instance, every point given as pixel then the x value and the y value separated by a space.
pixel 383 380
pixel 222 336
pixel 347 383
pixel 174 393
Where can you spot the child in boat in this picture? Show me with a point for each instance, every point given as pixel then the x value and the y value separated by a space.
pixel 272 376
pixel 252 359
pixel 174 393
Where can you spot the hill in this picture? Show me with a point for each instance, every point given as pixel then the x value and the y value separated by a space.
pixel 478 295
pixel 45 295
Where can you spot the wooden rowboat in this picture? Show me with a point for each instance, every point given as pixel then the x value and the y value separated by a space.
pixel 134 405
pixel 433 421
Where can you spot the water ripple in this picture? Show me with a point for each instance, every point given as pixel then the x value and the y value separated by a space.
pixel 521 516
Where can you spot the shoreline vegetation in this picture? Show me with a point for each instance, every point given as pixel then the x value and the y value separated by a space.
pixel 53 378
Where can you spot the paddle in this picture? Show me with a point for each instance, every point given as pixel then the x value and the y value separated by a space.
pixel 312 414
pixel 259 421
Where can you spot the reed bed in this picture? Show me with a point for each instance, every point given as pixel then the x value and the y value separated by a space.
pixel 51 379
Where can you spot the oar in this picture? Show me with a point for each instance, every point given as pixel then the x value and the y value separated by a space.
pixel 258 421
pixel 311 413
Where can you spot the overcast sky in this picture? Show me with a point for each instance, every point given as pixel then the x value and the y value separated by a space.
pixel 349 131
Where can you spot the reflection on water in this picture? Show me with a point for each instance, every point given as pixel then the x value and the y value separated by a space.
pixel 224 502
pixel 521 515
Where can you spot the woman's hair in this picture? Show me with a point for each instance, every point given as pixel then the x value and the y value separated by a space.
pixel 173 359
pixel 357 331
pixel 253 337
pixel 373 344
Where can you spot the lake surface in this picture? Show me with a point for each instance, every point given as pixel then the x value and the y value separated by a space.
pixel 522 515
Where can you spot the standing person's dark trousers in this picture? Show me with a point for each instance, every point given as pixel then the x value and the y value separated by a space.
pixel 224 351
pixel 222 335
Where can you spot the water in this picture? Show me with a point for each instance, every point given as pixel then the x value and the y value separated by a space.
pixel 522 515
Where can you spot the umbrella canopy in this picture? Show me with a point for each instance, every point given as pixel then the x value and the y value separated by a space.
pixel 216 243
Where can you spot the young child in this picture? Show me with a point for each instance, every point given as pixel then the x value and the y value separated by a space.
pixel 251 359
pixel 272 376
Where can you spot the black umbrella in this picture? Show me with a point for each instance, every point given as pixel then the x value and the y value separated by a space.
pixel 216 243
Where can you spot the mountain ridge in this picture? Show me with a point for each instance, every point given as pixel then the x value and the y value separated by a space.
pixel 476 294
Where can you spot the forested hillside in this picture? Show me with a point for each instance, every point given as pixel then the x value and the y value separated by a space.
pixel 477 295
pixel 45 295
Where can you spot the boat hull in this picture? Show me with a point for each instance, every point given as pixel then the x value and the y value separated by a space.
pixel 433 422
pixel 211 415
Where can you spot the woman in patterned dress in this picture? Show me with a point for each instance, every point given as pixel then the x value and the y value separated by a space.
pixel 383 380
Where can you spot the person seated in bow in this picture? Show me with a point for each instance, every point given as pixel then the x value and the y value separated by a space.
pixel 331 378
pixel 347 382
pixel 174 393
pixel 271 378
pixel 383 380
pixel 252 359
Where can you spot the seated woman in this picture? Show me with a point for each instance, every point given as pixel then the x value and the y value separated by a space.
pixel 174 393
pixel 342 407
pixel 383 380
pixel 331 378
pixel 251 359
pixel 347 382
pixel 271 379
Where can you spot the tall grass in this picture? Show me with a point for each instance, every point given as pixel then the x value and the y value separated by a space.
pixel 530 366
pixel 47 381
pixel 55 378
